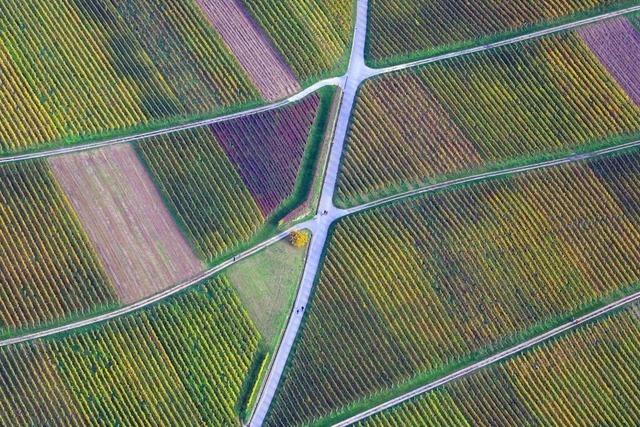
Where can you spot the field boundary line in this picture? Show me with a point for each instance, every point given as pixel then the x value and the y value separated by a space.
pixel 491 359
pixel 488 175
pixel 206 274
pixel 367 73
pixel 334 81
pixel 508 41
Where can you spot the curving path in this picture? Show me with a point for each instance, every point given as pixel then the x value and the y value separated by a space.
pixel 357 72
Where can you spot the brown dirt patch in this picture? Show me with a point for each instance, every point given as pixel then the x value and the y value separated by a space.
pixel 271 75
pixel 140 245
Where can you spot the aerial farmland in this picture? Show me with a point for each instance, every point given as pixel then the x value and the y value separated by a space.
pixel 319 213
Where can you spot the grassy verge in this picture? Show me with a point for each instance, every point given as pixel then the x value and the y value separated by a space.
pixel 310 162
pixel 426 378
pixel 453 47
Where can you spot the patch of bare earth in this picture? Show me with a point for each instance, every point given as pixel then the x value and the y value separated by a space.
pixel 268 71
pixel 140 245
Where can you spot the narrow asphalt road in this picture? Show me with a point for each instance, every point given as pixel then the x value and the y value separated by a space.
pixel 335 81
pixel 492 359
pixel 327 214
pixel 355 74
pixel 159 296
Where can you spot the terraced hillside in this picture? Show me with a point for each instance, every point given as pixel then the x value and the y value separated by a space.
pixel 584 377
pixel 181 362
pixel 76 69
pixel 412 289
pixel 416 28
pixel 511 105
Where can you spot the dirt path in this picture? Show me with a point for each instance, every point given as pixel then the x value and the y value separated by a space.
pixel 138 242
pixel 268 71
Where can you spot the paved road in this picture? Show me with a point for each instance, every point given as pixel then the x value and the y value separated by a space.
pixel 482 176
pixel 336 81
pixel 356 73
pixel 512 40
pixel 493 359
pixel 159 296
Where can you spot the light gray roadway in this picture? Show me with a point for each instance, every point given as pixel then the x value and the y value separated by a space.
pixel 492 359
pixel 157 297
pixel 327 214
pixel 356 74
pixel 335 81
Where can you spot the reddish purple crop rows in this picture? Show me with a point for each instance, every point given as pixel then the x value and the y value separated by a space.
pixel 267 149
pixel 617 44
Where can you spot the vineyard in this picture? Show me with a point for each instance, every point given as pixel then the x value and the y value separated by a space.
pixel 617 44
pixel 226 181
pixel 181 362
pixel 411 289
pixel 72 69
pixel 48 269
pixel 417 28
pixel 270 75
pixel 585 378
pixel 313 36
pixel 509 105
pixel 138 242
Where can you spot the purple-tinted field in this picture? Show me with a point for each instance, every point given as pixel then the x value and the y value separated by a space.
pixel 617 44
pixel 267 149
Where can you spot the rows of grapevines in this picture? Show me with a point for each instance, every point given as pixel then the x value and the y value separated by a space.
pixel 312 35
pixel 413 288
pixel 423 27
pixel 182 362
pixel 588 377
pixel 48 269
pixel 509 104
pixel 204 190
pixel 223 182
pixel 81 68
pixel 267 149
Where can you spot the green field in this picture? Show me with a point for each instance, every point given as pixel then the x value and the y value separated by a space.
pixel 512 105
pixel 183 361
pixel 73 70
pixel 586 377
pixel 313 36
pixel 413 289
pixel 400 30
pixel 48 269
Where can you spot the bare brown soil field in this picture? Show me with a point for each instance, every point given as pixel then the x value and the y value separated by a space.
pixel 271 75
pixel 140 245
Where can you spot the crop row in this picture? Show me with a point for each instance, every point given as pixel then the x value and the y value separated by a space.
pixel 267 149
pixel 181 362
pixel 313 36
pixel 223 182
pixel 507 105
pixel 412 289
pixel 589 377
pixel 81 68
pixel 48 268
pixel 422 27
